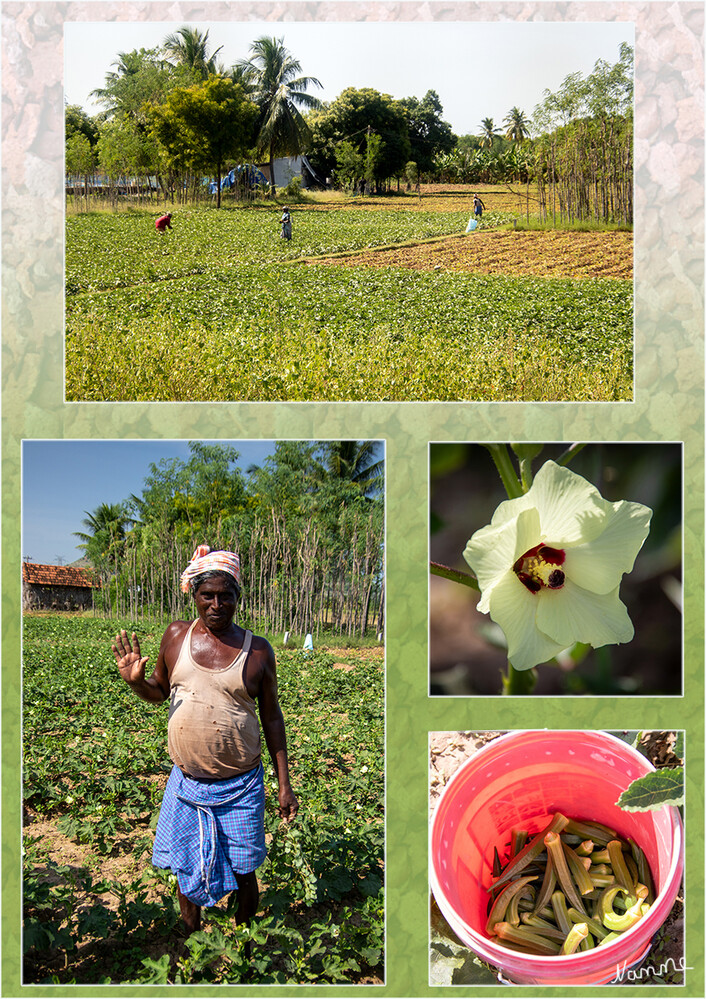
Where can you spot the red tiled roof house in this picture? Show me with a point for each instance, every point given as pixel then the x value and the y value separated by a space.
pixel 57 587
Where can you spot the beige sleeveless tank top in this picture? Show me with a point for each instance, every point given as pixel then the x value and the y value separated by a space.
pixel 213 728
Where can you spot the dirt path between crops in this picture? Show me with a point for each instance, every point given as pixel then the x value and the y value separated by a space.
pixel 537 254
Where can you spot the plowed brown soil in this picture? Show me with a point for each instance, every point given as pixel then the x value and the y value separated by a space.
pixel 521 254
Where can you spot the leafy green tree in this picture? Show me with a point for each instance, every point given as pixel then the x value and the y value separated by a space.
pixel 286 481
pixel 80 158
pixel 79 122
pixel 279 92
pixel 607 92
pixel 124 149
pixel 429 135
pixel 351 118
pixel 200 127
pixel 195 495
pixel 189 47
pixel 139 77
pixel 373 151
pixel 350 164
pixel 609 88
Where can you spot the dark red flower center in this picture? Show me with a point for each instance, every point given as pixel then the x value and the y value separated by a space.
pixel 540 568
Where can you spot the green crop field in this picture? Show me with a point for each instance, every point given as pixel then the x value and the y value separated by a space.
pixel 222 309
pixel 95 765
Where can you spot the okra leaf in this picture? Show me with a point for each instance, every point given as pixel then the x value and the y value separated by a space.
pixel 663 787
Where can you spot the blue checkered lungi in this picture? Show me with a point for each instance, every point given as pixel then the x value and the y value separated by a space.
pixel 210 830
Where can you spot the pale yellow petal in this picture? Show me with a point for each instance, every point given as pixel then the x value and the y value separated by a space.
pixel 514 608
pixel 571 509
pixel 600 564
pixel 573 614
pixel 494 549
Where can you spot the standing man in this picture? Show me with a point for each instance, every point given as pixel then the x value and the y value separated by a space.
pixel 164 222
pixel 219 678
pixel 478 207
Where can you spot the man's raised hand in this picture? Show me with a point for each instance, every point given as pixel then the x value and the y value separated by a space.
pixel 131 663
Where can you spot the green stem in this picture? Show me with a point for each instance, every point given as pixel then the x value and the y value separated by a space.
pixel 446 572
pixel 506 470
pixel 519 681
pixel 526 474
pixel 569 454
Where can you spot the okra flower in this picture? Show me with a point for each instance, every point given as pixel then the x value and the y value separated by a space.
pixel 550 562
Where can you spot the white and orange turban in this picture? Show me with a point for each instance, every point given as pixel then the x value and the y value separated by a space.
pixel 204 560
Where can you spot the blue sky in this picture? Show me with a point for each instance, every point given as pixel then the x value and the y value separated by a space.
pixel 478 69
pixel 62 479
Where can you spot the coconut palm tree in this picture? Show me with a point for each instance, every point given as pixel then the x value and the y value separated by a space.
pixel 105 531
pixel 278 90
pixel 189 47
pixel 136 77
pixel 356 462
pixel 518 126
pixel 488 132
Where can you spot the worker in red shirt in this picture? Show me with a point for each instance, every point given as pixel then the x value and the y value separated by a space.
pixel 164 222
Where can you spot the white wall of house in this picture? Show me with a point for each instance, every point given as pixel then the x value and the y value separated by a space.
pixel 286 168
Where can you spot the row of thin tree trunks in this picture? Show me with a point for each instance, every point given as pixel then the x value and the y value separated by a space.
pixel 585 177
pixel 292 581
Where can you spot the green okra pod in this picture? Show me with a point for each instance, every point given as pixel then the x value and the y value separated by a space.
pixel 594 927
pixel 578 871
pixel 560 911
pixel 643 868
pixel 513 910
pixel 499 907
pixel 548 886
pixel 631 866
pixel 600 856
pixel 497 866
pixel 577 933
pixel 555 849
pixel 602 880
pixel 609 939
pixel 620 870
pixel 543 926
pixel 524 936
pixel 585 848
pixel 620 923
pixel 531 850
pixel 518 838
pixel 591 830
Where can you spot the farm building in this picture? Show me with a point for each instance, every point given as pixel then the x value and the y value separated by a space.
pixel 292 166
pixel 57 587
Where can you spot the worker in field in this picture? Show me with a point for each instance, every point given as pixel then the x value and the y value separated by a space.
pixel 478 207
pixel 219 678
pixel 164 222
pixel 286 223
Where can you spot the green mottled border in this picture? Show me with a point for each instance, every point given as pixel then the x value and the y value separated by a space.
pixel 669 406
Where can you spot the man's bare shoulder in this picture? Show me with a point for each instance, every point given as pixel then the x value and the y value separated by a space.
pixel 261 646
pixel 262 651
pixel 174 634
pixel 177 628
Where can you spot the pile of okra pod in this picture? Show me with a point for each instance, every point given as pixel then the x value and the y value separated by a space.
pixel 573 886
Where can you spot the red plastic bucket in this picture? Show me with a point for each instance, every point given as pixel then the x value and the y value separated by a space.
pixel 521 779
